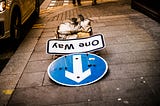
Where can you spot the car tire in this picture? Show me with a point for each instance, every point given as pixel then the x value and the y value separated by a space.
pixel 15 27
pixel 37 9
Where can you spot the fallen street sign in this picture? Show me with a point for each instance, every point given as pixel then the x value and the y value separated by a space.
pixel 67 46
pixel 77 69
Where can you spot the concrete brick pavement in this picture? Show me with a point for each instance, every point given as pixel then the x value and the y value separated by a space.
pixel 132 52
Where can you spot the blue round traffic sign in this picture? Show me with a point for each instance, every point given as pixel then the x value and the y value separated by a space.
pixel 77 69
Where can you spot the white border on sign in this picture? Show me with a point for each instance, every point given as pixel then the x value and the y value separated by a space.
pixel 106 70
pixel 81 49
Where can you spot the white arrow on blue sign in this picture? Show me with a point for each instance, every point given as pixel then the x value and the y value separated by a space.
pixel 77 69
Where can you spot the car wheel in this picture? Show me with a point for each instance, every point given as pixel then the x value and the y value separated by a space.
pixel 37 9
pixel 15 30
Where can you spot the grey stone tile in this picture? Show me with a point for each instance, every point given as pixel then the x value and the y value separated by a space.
pixel 139 38
pixel 40 56
pixel 72 104
pixel 8 81
pixel 117 40
pixel 154 83
pixel 7 87
pixel 27 45
pixel 49 30
pixel 149 45
pixel 37 66
pixel 155 31
pixel 133 47
pixel 123 39
pixel 98 24
pixel 132 57
pixel 16 64
pixel 120 33
pixel 40 47
pixel 122 71
pixel 31 80
pixel 55 95
pixel 119 48
pixel 101 53
pixel 126 88
pixel 48 34
pixel 142 101
pixel 107 102
pixel 4 100
pixel 34 33
pixel 43 40
pixel 130 28
pixel 53 24
pixel 151 68
pixel 48 81
pixel 133 70
pixel 118 21
pixel 146 23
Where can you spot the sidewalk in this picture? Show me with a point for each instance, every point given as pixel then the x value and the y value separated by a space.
pixel 132 52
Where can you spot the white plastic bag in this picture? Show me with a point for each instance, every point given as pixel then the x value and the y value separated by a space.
pixel 69 30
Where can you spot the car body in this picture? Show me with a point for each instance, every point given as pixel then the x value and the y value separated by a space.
pixel 13 14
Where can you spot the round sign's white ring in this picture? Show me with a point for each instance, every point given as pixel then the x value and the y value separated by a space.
pixel 79 84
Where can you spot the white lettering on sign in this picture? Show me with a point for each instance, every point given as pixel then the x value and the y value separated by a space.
pixel 93 43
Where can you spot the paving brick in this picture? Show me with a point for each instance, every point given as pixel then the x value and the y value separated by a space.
pixel 40 47
pixel 43 40
pixel 133 70
pixel 34 33
pixel 31 80
pixel 126 88
pixel 27 45
pixel 37 66
pixel 48 81
pixel 9 82
pixel 132 47
pixel 154 84
pixel 120 33
pixel 40 56
pixel 54 95
pixel 7 87
pixel 123 101
pixel 16 64
pixel 73 104
pixel 132 57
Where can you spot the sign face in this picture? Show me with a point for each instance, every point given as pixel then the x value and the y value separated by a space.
pixel 67 46
pixel 77 69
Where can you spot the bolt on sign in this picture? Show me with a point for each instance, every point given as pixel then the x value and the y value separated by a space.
pixel 67 46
